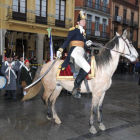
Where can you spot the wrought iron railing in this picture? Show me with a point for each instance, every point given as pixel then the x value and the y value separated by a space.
pixel 30 16
pixel 97 34
pixel 117 18
pixel 126 21
pixel 96 6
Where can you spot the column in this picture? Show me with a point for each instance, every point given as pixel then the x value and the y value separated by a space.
pixel 2 41
pixel 39 47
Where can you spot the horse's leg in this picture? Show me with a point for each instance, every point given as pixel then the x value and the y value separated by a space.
pixel 93 113
pixel 99 111
pixel 53 98
pixel 46 98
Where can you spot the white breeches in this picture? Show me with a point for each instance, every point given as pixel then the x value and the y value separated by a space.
pixel 78 55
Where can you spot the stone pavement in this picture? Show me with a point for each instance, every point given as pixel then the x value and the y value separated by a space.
pixel 121 115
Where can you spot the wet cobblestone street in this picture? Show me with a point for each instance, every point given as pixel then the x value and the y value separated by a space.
pixel 121 115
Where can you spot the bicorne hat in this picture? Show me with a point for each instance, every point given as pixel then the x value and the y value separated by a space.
pixel 81 15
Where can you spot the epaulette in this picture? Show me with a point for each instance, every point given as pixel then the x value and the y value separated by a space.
pixel 72 28
pixel 77 26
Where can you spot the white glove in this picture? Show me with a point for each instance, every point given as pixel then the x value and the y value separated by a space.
pixel 89 43
pixel 59 54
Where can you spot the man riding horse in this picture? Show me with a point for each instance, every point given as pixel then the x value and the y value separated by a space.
pixel 77 40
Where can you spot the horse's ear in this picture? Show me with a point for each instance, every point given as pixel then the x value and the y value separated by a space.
pixel 117 34
pixel 125 34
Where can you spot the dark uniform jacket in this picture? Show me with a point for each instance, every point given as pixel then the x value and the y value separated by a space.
pixel 26 75
pixel 74 35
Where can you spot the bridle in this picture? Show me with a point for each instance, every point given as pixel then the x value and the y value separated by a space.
pixel 130 54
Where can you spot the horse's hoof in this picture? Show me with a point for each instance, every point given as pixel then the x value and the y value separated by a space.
pixel 48 118
pixel 102 127
pixel 93 130
pixel 57 121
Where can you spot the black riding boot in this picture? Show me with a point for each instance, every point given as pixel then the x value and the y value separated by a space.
pixel 80 77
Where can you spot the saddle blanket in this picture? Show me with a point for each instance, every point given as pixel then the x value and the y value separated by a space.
pixel 68 75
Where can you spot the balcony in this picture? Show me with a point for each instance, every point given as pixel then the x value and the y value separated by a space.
pixel 117 19
pixel 32 17
pixel 134 24
pixel 125 21
pixel 98 34
pixel 96 6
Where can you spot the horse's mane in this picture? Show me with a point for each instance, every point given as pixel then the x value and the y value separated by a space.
pixel 105 55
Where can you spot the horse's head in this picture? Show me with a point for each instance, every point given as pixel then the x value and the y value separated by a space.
pixel 127 48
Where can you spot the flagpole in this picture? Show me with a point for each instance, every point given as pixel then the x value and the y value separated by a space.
pixel 51 46
pixel 23 48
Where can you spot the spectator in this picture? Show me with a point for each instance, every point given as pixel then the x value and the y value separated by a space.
pixel 121 65
pixel 137 66
pixel 34 63
pixel 26 76
pixel 8 70
pixel 126 66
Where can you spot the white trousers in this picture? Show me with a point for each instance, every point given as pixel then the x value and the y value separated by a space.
pixel 78 55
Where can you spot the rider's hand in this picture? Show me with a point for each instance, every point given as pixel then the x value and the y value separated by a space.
pixel 89 43
pixel 59 53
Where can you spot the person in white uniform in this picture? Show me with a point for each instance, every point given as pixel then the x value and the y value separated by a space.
pixel 77 39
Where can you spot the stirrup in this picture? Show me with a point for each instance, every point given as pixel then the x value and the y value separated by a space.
pixel 74 91
pixel 77 93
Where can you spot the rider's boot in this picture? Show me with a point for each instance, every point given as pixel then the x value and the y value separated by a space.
pixel 80 77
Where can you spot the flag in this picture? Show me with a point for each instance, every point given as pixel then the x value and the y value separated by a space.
pixel 51 46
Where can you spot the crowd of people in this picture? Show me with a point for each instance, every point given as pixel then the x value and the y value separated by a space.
pixel 18 74
pixel 127 67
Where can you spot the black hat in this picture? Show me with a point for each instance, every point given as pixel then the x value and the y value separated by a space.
pixel 20 55
pixel 7 54
pixel 81 15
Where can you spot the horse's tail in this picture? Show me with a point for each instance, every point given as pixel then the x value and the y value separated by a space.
pixel 33 91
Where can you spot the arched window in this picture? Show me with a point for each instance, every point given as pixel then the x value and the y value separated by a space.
pixel 41 11
pixel 19 9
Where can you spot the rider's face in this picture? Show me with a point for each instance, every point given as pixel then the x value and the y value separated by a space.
pixel 82 22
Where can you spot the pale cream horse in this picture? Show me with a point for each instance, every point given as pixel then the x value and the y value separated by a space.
pixel 106 64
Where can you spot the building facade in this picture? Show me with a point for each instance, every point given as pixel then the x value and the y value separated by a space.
pixel 98 19
pixel 24 23
pixel 125 15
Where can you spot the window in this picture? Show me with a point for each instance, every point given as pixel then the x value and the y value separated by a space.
pixel 41 8
pixel 60 13
pixel 104 28
pixel 132 18
pixel 19 9
pixel 136 2
pixel 41 11
pixel 97 24
pixel 105 5
pixel 89 3
pixel 124 16
pixel 97 4
pixel 19 6
pixel 116 10
pixel 104 25
pixel 89 21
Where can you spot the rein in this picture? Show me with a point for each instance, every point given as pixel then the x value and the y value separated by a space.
pixel 118 51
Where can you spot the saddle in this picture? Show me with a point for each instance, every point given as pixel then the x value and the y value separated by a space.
pixel 72 71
